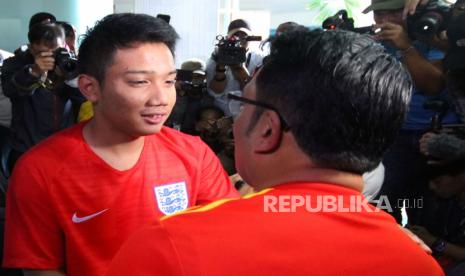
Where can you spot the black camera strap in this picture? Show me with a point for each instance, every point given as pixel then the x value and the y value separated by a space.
pixel 249 56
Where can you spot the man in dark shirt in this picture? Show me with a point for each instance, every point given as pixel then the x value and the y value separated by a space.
pixel 42 101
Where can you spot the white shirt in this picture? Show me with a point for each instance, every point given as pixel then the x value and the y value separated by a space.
pixel 221 100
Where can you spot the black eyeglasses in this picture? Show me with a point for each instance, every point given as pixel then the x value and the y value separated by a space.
pixel 284 124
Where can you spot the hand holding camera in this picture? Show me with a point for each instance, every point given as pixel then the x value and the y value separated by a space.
pixel 394 34
pixel 60 61
pixel 44 61
pixel 240 73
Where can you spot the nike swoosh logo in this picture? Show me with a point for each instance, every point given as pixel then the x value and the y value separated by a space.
pixel 77 219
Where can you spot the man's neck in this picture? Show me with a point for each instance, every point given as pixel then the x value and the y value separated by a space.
pixel 291 164
pixel 118 150
pixel 315 175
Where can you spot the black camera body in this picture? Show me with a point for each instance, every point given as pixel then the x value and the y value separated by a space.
pixel 230 51
pixel 193 88
pixel 338 21
pixel 66 62
pixel 341 21
pixel 428 20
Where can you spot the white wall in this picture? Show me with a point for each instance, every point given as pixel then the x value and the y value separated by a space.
pixel 195 22
pixel 90 11
pixel 199 21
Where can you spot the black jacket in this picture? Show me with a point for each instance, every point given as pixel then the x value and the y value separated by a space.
pixel 37 111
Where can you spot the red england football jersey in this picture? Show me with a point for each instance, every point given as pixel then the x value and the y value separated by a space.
pixel 67 208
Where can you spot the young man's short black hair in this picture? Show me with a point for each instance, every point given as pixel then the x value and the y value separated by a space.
pixel 119 31
pixel 45 32
pixel 343 96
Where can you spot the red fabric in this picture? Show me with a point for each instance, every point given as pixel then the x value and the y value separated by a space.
pixel 239 238
pixel 62 177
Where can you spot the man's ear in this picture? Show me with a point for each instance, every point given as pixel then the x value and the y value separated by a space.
pixel 269 133
pixel 89 87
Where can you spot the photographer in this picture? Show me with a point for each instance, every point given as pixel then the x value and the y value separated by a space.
pixel 191 95
pixel 445 233
pixel 405 165
pixel 223 78
pixel 449 144
pixel 41 100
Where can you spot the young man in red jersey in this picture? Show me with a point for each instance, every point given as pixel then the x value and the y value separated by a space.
pixel 319 113
pixel 75 198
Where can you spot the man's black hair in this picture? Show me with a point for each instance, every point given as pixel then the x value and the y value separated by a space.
pixel 45 32
pixel 41 17
pixel 238 23
pixel 343 96
pixel 119 31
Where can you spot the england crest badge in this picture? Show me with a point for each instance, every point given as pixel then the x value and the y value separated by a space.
pixel 171 198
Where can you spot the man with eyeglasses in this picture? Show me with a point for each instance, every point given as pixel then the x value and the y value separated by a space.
pixel 319 113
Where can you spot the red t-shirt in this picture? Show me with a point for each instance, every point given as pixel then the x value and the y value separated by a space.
pixel 245 237
pixel 67 208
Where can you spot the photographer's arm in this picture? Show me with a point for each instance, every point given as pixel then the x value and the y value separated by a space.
pixel 451 250
pixel 240 73
pixel 20 80
pixel 219 81
pixel 427 77
pixel 14 73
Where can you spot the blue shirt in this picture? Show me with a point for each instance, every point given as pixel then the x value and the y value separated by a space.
pixel 419 118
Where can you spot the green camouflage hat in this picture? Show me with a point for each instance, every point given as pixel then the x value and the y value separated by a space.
pixel 384 5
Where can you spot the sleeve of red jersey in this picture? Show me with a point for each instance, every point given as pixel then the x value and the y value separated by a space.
pixel 33 238
pixel 148 252
pixel 214 181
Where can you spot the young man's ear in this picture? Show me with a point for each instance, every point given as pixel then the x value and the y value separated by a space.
pixel 269 133
pixel 89 87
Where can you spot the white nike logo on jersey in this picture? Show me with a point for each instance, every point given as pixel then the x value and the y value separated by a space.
pixel 77 219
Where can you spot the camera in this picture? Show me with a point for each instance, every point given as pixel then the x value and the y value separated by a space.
pixel 440 107
pixel 164 17
pixel 66 63
pixel 193 87
pixel 342 21
pixel 428 20
pixel 230 51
